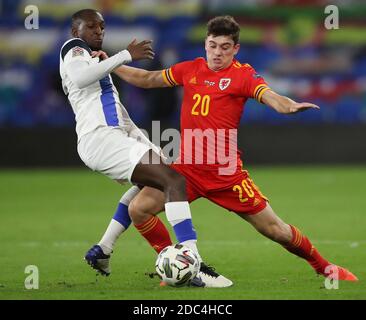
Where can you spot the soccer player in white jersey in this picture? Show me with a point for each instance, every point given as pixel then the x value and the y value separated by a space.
pixel 110 143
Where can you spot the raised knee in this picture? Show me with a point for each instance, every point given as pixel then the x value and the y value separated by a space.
pixel 136 212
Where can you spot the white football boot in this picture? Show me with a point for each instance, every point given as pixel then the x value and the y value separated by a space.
pixel 209 278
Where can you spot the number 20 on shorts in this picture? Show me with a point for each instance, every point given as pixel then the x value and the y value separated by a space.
pixel 201 105
pixel 247 190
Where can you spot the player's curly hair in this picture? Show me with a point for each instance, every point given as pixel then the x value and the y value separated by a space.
pixel 224 26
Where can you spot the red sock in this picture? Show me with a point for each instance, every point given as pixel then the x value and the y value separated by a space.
pixel 155 232
pixel 302 247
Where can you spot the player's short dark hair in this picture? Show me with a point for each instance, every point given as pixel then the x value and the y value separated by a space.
pixel 81 15
pixel 224 26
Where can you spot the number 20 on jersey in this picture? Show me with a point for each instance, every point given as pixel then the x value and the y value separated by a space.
pixel 201 106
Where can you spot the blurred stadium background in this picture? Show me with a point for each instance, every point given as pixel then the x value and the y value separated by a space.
pixel 285 40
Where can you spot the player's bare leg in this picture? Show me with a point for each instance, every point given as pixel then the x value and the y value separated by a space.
pixel 143 211
pixel 270 225
pixel 149 202
pixel 144 207
pixel 152 172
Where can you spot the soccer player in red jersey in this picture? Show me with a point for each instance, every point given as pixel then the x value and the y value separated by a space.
pixel 215 91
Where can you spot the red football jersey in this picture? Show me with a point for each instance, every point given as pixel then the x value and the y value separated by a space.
pixel 212 106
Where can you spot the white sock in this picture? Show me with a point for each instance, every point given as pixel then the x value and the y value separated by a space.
pixel 115 228
pixel 179 216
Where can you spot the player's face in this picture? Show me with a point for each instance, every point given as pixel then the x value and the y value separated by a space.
pixel 220 51
pixel 91 30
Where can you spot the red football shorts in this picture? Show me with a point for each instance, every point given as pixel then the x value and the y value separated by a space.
pixel 235 192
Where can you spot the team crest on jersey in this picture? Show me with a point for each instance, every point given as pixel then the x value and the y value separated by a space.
pixel 77 51
pixel 224 83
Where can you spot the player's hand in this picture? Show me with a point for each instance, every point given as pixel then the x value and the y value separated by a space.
pixel 302 106
pixel 101 54
pixel 141 50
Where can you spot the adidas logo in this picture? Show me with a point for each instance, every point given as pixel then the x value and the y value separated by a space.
pixel 193 80
pixel 256 201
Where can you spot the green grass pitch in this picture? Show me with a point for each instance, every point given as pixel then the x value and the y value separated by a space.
pixel 49 218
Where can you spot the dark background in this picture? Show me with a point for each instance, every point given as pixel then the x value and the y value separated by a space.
pixel 285 41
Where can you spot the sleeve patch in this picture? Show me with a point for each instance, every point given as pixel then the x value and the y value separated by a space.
pixel 77 51
pixel 76 44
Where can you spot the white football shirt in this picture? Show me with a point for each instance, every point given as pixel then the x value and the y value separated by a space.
pixel 89 87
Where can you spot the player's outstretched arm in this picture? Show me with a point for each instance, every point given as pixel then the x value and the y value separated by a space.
pixel 284 104
pixel 141 78
pixel 83 74
pixel 138 77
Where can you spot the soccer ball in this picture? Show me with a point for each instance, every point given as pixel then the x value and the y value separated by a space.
pixel 177 265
